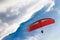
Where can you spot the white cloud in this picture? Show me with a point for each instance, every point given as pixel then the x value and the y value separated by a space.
pixel 20 11
pixel 51 6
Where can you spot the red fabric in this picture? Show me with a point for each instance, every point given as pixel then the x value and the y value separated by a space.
pixel 40 23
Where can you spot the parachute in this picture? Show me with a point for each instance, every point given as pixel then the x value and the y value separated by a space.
pixel 41 23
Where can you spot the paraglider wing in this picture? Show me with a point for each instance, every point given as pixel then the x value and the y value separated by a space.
pixel 41 23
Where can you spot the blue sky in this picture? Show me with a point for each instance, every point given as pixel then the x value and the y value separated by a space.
pixel 51 32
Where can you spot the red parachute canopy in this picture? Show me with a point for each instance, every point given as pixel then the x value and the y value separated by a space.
pixel 41 23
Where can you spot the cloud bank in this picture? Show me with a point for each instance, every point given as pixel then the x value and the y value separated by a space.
pixel 14 12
